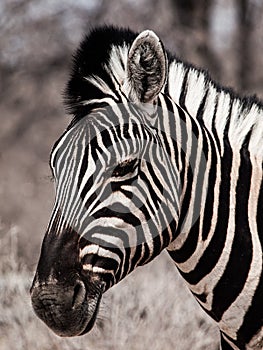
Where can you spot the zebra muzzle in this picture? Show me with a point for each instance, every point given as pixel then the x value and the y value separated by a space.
pixel 69 310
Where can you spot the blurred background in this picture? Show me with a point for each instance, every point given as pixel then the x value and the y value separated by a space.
pixel 37 39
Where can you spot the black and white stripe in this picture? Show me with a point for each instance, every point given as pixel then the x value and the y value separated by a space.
pixel 159 156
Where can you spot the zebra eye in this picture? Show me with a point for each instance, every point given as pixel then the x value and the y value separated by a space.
pixel 125 167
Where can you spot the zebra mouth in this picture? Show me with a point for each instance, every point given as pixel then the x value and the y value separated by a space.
pixel 67 311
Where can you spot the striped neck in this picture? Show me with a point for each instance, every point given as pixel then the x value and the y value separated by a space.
pixel 229 131
pixel 215 108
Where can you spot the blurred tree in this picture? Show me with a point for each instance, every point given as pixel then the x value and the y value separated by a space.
pixel 246 10
pixel 245 25
pixel 194 19
pixel 192 13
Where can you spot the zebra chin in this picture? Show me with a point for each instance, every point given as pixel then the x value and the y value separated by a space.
pixel 67 310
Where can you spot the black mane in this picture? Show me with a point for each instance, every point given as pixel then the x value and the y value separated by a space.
pixel 89 60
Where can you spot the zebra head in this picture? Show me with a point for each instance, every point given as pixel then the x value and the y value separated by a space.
pixel 113 210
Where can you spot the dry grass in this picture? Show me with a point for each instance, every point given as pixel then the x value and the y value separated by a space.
pixel 150 309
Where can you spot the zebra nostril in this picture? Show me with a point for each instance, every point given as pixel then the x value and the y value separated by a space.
pixel 79 294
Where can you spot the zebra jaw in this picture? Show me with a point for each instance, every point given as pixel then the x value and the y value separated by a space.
pixel 68 309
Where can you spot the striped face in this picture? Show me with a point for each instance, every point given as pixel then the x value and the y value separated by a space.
pixel 111 190
pixel 112 197
pixel 111 207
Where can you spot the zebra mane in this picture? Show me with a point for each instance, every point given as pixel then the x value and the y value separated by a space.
pixel 89 61
pixel 98 71
pixel 214 106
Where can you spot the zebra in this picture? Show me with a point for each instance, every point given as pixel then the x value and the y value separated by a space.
pixel 157 156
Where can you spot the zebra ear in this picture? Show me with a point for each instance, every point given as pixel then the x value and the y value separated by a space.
pixel 146 68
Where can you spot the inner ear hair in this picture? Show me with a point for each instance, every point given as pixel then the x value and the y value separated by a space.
pixel 146 67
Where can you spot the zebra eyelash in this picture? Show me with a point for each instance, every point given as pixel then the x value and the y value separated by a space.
pixel 124 168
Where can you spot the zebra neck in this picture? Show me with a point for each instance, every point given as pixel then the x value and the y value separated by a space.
pixel 228 132
pixel 218 109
